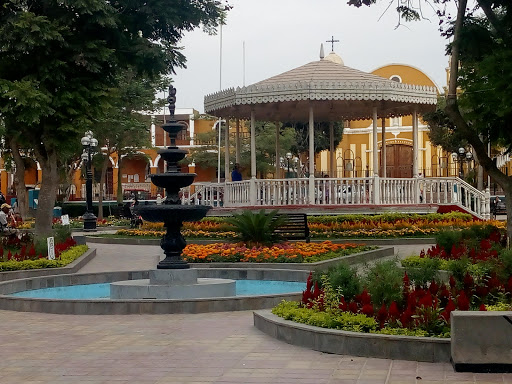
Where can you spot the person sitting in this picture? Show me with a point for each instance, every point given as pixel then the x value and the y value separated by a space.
pixel 5 214
pixel 236 175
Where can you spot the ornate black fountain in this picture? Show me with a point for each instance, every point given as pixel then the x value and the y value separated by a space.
pixel 172 213
pixel 173 278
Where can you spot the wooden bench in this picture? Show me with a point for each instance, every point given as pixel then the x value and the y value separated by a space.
pixel 295 227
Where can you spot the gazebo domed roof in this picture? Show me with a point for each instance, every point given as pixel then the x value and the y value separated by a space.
pixel 335 91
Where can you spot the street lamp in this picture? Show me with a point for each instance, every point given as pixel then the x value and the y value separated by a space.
pixel 461 156
pixel 89 144
pixel 288 158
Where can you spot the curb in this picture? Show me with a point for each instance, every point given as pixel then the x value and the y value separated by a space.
pixel 427 349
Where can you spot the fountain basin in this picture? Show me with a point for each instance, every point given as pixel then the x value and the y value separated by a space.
pixel 167 212
pixel 175 180
pixel 147 306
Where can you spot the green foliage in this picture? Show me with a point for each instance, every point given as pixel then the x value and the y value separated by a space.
pixel 505 257
pixel 390 217
pixel 290 310
pixel 447 239
pixel 384 282
pixel 66 258
pixel 256 228
pixel 61 233
pixel 425 272
pixel 342 278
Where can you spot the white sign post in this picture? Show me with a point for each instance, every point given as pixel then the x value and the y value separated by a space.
pixel 64 219
pixel 51 248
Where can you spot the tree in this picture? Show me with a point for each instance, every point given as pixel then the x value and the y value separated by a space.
pixel 206 155
pixel 479 93
pixel 124 127
pixel 59 59
pixel 322 136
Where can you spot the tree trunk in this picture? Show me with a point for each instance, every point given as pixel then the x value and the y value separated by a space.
pixel 47 194
pixel 103 176
pixel 453 112
pixel 19 179
pixel 119 181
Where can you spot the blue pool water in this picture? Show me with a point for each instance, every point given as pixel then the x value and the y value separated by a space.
pixel 102 291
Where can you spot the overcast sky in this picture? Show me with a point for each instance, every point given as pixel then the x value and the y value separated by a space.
pixel 280 35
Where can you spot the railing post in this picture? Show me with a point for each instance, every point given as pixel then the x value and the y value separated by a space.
pixel 252 191
pixel 227 195
pixel 487 204
pixel 311 190
pixel 376 190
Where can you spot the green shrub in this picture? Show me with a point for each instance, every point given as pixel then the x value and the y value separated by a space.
pixel 347 321
pixel 384 282
pixel 505 257
pixel 256 228
pixel 342 279
pixel 424 272
pixel 447 239
pixel 66 258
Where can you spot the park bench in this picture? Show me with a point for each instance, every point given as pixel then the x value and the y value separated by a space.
pixel 295 227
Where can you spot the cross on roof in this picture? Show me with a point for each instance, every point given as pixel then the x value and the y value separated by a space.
pixel 332 41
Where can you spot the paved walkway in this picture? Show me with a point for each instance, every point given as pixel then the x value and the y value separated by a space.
pixel 199 348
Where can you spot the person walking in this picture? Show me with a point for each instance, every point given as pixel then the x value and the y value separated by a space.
pixel 236 175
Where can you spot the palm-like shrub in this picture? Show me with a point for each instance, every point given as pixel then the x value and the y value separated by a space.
pixel 257 228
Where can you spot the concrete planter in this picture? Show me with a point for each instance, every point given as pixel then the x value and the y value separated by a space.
pixel 427 349
pixel 481 341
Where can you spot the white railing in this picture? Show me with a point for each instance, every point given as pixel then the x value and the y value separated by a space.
pixel 344 191
pixel 398 191
pixel 340 192
pixel 203 194
pixel 238 193
pixel 279 192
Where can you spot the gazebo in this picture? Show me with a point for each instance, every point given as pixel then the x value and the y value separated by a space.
pixel 327 91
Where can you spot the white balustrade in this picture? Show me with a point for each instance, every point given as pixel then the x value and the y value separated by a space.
pixel 342 191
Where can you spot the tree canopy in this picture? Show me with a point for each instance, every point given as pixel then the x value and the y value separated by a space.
pixel 58 60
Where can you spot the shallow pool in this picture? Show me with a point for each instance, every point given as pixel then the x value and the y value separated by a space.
pixel 102 291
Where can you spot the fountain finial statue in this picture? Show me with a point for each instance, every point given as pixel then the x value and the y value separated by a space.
pixel 172 213
pixel 171 99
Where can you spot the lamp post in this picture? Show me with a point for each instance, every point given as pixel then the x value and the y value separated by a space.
pixel 89 144
pixel 461 156
pixel 288 158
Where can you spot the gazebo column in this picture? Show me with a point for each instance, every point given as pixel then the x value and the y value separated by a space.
pixel 311 156
pixel 375 165
pixel 332 150
pixel 226 165
pixel 383 152
pixel 415 173
pixel 415 143
pixel 278 150
pixel 237 141
pixel 252 185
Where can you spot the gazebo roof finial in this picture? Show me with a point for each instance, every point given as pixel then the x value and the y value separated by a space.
pixel 332 41
pixel 322 55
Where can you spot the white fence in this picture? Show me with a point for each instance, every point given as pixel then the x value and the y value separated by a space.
pixel 341 192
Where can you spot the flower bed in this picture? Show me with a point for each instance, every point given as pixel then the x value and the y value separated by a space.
pixel 326 227
pixel 387 300
pixel 298 252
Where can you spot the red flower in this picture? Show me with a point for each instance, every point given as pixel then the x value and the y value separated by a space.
pixel 468 282
pixel 394 313
pixel 352 307
pixel 406 281
pixel 367 310
pixel 382 315
pixel 448 309
pixel 434 288
pixel 462 301
pixel 453 283
pixel 482 307
pixel 406 317
pixel 343 304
